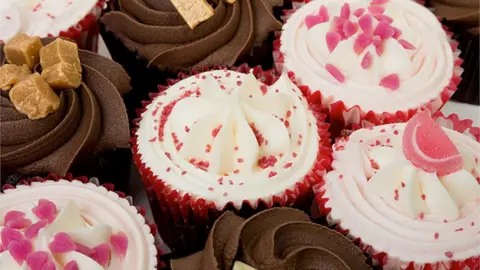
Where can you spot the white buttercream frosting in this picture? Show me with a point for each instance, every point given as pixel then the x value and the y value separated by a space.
pixel 412 215
pixel 90 215
pixel 424 70
pixel 41 17
pixel 225 137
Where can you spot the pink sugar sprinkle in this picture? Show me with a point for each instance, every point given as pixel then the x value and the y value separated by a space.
pixel 396 33
pixel 365 23
pixel 36 260
pixel 13 215
pixel 383 18
pixel 367 60
pixel 7 235
pixel 337 25
pixel 345 11
pixel 378 2
pixel 332 38
pixel 45 210
pixel 101 254
pixel 32 231
pixel 335 73
pixel 359 12
pixel 384 30
pixel 363 41
pixel 376 9
pixel 323 12
pixel 312 20
pixel 20 223
pixel 349 29
pixel 71 265
pixel 391 81
pixel 62 243
pixel 20 249
pixel 406 45
pixel 378 43
pixel 119 243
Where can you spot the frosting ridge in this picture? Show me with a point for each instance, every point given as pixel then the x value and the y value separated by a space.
pixel 91 119
pixel 157 32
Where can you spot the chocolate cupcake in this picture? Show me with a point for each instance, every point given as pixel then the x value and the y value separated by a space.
pixel 151 36
pixel 462 17
pixel 81 127
pixel 278 238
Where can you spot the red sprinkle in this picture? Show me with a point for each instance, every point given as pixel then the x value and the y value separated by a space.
pixel 187 129
pixel 436 235
pixel 272 174
pixel 335 73
pixel 459 230
pixel 208 148
pixel 264 89
pixel 225 194
pixel 236 171
pixel 288 165
pixel 449 254
pixel 367 60
pixel 421 216
pixel 403 185
pixel 210 188
pixel 340 176
pixel 423 197
pixel 239 160
pixel 239 83
pixel 7 17
pixel 216 130
pixel 184 172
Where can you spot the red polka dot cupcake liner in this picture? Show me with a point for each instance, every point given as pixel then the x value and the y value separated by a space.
pixel 187 208
pixel 109 187
pixel 381 258
pixel 341 116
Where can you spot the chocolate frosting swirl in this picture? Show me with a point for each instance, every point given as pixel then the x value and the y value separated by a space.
pixel 155 30
pixel 278 238
pixel 91 119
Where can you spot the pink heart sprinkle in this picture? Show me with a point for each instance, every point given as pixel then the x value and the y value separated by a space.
pixel 345 11
pixel 45 210
pixel 50 265
pixel 349 29
pixel 32 231
pixel 312 20
pixel 62 243
pixel 337 25
pixel 383 18
pixel 335 72
pixel 13 215
pixel 101 254
pixel 365 23
pixel 19 250
pixel 9 235
pixel 323 12
pixel 332 38
pixel 359 12
pixel 363 41
pixel 376 9
pixel 391 81
pixel 367 60
pixel 119 244
pixel 384 30
pixel 18 223
pixel 36 260
pixel 405 44
pixel 84 250
pixel 71 265
pixel 396 33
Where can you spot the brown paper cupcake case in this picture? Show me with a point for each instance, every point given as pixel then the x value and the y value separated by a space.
pixel 109 187
pixel 197 214
pixel 341 116
pixel 380 258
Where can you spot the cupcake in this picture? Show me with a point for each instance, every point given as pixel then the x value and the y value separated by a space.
pixel 462 18
pixel 151 36
pixel 372 61
pixel 76 121
pixel 73 19
pixel 409 193
pixel 72 225
pixel 230 139
pixel 278 238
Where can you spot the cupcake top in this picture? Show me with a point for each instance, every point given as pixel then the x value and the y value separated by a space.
pixel 225 136
pixel 411 190
pixel 155 30
pixel 71 225
pixel 278 238
pixel 381 55
pixel 464 12
pixel 41 17
pixel 85 120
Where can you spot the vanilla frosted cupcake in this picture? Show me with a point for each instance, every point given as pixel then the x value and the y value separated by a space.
pixel 225 138
pixel 377 61
pixel 72 225
pixel 409 192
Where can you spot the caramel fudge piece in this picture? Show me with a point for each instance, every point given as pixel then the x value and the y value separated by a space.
pixel 23 50
pixel 62 76
pixel 11 74
pixel 58 51
pixel 193 12
pixel 34 97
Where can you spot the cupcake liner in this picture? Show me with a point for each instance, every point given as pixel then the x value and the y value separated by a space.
pixel 149 228
pixel 341 116
pixel 187 209
pixel 86 32
pixel 381 258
